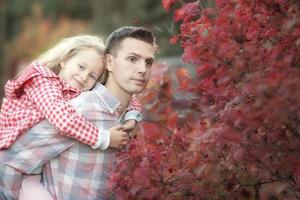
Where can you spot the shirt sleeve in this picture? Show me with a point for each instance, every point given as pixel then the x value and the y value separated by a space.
pixel 47 95
pixel 133 111
pixel 90 106
pixel 132 114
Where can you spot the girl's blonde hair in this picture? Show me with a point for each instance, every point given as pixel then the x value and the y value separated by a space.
pixel 68 47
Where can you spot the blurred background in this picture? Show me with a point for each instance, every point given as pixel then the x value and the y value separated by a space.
pixel 29 27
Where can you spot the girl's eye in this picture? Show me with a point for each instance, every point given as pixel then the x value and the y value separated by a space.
pixel 93 77
pixel 80 67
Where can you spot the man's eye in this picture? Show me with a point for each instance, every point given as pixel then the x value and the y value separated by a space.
pixel 149 63
pixel 132 59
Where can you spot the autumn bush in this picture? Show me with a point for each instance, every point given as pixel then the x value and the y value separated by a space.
pixel 238 134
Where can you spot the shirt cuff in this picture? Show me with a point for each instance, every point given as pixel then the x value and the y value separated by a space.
pixel 103 140
pixel 133 114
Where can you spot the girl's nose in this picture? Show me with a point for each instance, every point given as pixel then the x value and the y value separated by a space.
pixel 83 76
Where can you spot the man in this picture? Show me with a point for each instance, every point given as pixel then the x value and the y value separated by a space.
pixel 76 171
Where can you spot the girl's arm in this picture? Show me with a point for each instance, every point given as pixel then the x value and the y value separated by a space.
pixel 135 104
pixel 47 95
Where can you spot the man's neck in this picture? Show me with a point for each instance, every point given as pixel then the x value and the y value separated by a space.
pixel 123 97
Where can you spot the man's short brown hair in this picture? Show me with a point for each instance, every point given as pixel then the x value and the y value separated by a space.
pixel 116 37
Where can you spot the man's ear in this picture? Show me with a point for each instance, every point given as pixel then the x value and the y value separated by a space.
pixel 108 62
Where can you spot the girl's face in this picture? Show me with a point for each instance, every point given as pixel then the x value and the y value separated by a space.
pixel 83 69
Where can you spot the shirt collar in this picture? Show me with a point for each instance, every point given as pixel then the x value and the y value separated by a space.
pixel 43 70
pixel 111 102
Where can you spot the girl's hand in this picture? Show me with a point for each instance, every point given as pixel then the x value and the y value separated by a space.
pixel 129 126
pixel 118 137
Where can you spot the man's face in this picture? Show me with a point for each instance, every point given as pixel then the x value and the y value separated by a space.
pixel 130 67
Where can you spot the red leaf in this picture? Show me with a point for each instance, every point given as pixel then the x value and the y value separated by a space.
pixel 150 193
pixel 174 39
pixel 235 137
pixel 167 4
pixel 183 77
pixel 140 177
pixel 172 119
pixel 297 176
pixel 239 154
pixel 221 3
pixel 135 188
pixel 187 11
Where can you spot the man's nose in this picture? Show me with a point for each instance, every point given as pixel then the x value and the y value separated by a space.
pixel 142 67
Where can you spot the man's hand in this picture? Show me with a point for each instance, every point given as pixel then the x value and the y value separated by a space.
pixel 118 137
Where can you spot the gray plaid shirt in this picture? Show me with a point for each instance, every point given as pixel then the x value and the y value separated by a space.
pixel 75 171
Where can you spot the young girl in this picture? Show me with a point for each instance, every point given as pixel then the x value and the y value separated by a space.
pixel 43 88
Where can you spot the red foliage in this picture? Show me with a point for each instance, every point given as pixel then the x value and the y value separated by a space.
pixel 167 4
pixel 238 133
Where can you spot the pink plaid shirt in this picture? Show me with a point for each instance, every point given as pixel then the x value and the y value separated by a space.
pixel 38 93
